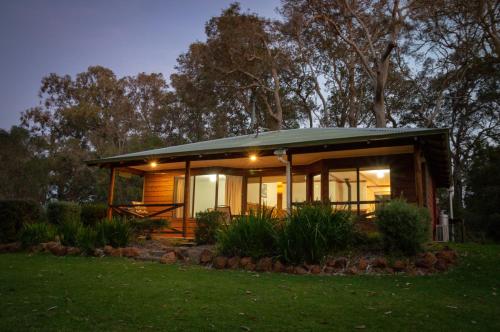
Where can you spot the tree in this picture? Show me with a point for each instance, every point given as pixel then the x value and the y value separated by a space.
pixel 370 30
pixel 24 169
pixel 483 194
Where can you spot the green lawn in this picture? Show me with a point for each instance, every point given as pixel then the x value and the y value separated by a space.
pixel 43 292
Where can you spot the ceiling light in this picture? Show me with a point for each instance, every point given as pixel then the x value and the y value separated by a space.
pixel 253 157
pixel 153 164
pixel 212 177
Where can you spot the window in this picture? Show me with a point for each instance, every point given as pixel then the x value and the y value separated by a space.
pixel 317 187
pixel 299 193
pixel 206 189
pixel 268 191
pixel 375 187
pixel 359 189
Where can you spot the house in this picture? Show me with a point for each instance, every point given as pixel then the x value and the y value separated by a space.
pixel 351 168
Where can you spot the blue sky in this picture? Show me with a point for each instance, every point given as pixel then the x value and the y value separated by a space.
pixel 38 37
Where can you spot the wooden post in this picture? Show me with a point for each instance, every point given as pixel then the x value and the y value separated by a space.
pixel 216 191
pixel 187 177
pixel 358 193
pixel 111 192
pixel 418 176
pixel 289 183
pixel 309 187
pixel 325 183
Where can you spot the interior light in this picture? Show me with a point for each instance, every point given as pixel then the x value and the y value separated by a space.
pixel 153 164
pixel 380 173
pixel 253 157
pixel 212 177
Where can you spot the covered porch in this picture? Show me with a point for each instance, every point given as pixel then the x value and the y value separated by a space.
pixel 281 170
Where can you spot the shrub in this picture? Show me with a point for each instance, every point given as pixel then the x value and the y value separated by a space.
pixel 86 239
pixel 14 215
pixel 60 212
pixel 68 231
pixel 404 227
pixel 116 232
pixel 207 225
pixel 147 226
pixel 92 213
pixel 33 234
pixel 253 235
pixel 312 231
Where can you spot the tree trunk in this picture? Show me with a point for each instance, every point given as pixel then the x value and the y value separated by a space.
pixel 378 99
pixel 279 111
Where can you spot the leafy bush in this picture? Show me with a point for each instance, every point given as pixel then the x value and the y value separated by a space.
pixel 312 231
pixel 253 235
pixel 116 232
pixel 68 231
pixel 14 215
pixel 60 212
pixel 92 213
pixel 86 239
pixel 147 226
pixel 404 227
pixel 371 241
pixel 33 234
pixel 207 225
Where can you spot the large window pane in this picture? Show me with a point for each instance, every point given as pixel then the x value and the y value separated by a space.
pixel 253 193
pixel 299 188
pixel 375 185
pixel 273 193
pixel 204 193
pixel 343 186
pixel 317 187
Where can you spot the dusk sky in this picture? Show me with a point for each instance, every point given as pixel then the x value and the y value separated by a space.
pixel 39 37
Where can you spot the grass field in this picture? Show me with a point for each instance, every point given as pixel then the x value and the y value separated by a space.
pixel 43 292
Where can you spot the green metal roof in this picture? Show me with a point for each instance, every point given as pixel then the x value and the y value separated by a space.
pixel 274 140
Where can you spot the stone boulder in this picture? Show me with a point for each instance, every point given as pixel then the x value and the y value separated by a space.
pixel 244 261
pixel 58 250
pixel 168 258
pixel 278 267
pixel 353 270
pixel 10 247
pixel 74 251
pixel 399 265
pixel 447 255
pixel 98 252
pixel 206 256
pixel 329 269
pixel 250 266
pixel 233 262
pixel 116 252
pixel 264 264
pixel 426 260
pixel 363 264
pixel 379 262
pixel 108 250
pixel 299 270
pixel 315 269
pixel 441 265
pixel 220 262
pixel 130 252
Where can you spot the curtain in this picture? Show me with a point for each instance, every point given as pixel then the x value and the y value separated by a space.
pixel 179 195
pixel 234 190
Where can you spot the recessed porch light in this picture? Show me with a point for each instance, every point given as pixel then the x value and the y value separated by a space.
pixel 253 157
pixel 153 164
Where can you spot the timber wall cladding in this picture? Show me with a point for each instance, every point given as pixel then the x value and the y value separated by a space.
pixel 159 189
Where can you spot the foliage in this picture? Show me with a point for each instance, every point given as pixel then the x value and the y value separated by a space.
pixel 68 230
pixel 61 212
pixel 312 231
pixel 92 213
pixel 483 195
pixel 207 225
pixel 86 239
pixel 404 227
pixel 116 232
pixel 147 226
pixel 36 233
pixel 252 235
pixel 14 214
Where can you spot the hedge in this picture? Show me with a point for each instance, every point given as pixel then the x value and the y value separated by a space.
pixel 14 214
pixel 60 212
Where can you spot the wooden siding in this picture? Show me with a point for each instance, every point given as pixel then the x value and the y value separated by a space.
pixel 159 188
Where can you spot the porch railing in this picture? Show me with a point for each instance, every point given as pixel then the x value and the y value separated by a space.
pixel 131 209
